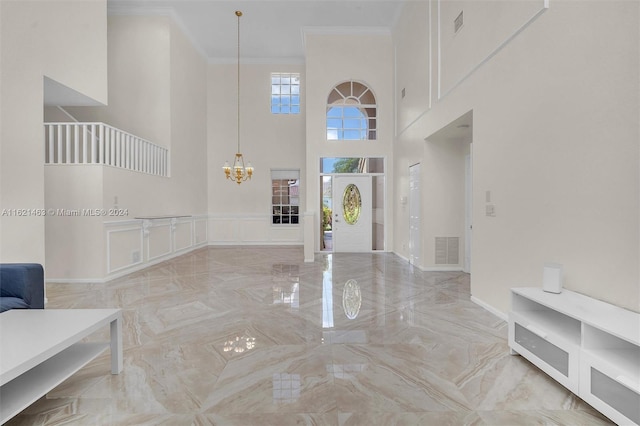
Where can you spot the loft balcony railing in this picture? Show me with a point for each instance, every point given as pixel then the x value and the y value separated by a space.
pixel 102 144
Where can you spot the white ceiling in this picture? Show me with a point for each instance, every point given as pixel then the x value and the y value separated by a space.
pixel 271 30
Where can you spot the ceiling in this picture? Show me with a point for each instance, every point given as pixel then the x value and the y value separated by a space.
pixel 271 30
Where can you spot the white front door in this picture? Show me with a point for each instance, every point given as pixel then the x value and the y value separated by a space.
pixel 351 223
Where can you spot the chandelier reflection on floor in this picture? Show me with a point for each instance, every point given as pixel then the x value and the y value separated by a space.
pixel 240 173
pixel 239 344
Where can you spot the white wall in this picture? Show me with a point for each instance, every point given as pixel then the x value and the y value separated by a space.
pixel 332 59
pixel 189 171
pixel 66 41
pixel 555 140
pixel 139 78
pixel 241 214
pixel 74 241
pixel 157 91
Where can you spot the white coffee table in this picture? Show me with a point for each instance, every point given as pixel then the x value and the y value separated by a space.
pixel 41 348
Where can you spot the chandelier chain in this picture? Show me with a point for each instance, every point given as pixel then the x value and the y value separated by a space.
pixel 240 172
pixel 238 14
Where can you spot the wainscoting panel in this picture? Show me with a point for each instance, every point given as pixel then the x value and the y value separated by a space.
pixel 139 243
pixel 286 234
pixel 183 235
pixel 200 230
pixel 223 229
pixel 159 239
pixel 252 230
pixel 124 248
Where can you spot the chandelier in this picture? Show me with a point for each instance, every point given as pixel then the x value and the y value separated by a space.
pixel 238 173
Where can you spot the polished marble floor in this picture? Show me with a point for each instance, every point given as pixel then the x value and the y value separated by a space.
pixel 256 336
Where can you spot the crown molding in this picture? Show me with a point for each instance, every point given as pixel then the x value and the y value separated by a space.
pixel 293 60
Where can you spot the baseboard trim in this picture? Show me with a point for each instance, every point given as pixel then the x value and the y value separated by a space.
pixel 123 272
pixel 490 308
pixel 254 243
pixel 76 280
pixel 442 269
pixel 401 256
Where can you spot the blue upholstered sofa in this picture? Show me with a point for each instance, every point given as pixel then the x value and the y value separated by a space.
pixel 21 286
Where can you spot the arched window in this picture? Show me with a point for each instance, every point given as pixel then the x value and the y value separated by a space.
pixel 351 112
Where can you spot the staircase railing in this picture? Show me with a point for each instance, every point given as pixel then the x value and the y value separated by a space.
pixel 100 143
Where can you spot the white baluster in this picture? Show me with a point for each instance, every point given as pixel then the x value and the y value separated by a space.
pixel 145 157
pixel 118 153
pixel 101 143
pixel 113 146
pixel 76 144
pixel 67 148
pixel 94 145
pixel 134 155
pixel 50 153
pixel 107 144
pixel 85 141
pixel 59 144
pixel 129 152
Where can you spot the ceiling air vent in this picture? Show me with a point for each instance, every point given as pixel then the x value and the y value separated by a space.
pixel 458 22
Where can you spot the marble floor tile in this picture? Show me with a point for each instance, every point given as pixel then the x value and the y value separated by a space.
pixel 244 336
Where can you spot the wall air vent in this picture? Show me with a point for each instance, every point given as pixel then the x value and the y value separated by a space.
pixel 447 249
pixel 458 22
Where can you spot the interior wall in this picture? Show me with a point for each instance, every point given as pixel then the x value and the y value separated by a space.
pixel 332 59
pixel 34 45
pixel 139 78
pixel 411 40
pixel 241 214
pixel 443 203
pixel 156 92
pixel 74 241
pixel 555 134
pixel 157 84
pixel 188 183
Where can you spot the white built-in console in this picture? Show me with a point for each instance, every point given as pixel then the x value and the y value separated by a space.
pixel 589 346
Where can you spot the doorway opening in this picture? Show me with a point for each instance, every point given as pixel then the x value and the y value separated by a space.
pixel 447 181
pixel 337 231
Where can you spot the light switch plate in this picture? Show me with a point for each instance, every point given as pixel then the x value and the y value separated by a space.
pixel 491 210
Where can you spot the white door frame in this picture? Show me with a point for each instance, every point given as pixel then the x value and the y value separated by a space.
pixel 468 209
pixel 415 237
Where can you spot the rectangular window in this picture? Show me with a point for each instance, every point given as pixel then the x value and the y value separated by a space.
pixel 351 165
pixel 285 93
pixel 285 197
